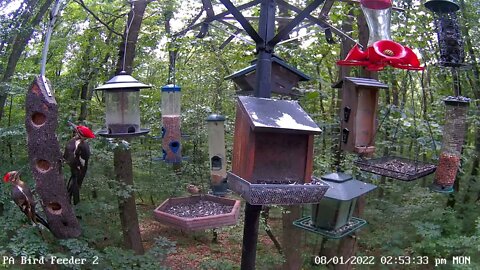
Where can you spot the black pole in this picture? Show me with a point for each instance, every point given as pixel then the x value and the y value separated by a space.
pixel 266 30
pixel 263 88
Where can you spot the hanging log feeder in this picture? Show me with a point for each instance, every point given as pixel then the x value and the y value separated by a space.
pixel 46 159
pixel 198 212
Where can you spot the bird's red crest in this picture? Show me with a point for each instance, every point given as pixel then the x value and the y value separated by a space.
pixel 85 132
pixel 6 177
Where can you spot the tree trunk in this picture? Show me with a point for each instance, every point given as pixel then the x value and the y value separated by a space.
pixel 18 46
pixel 292 238
pixel 122 159
pixel 122 162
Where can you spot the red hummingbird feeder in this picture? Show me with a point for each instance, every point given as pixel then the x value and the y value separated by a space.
pixel 381 50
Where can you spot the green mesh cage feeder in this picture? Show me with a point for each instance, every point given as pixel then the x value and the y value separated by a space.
pixel 332 216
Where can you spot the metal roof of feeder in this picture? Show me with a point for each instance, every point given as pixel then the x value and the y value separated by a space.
pixel 171 88
pixel 442 6
pixel 344 188
pixel 275 59
pixel 365 82
pixel 123 81
pixel 273 115
pixel 215 118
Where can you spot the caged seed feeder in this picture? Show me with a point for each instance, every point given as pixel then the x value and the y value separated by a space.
pixel 453 138
pixel 284 77
pixel 216 150
pixel 122 113
pixel 332 216
pixel 273 153
pixel 171 122
pixel 448 32
pixel 359 112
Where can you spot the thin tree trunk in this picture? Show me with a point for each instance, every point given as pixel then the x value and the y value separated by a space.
pixel 132 239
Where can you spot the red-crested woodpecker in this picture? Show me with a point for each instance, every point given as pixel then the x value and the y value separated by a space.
pixel 76 155
pixel 23 197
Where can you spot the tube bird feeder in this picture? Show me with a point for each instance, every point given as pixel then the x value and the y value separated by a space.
pixel 454 132
pixel 122 112
pixel 216 151
pixel 171 123
pixel 449 36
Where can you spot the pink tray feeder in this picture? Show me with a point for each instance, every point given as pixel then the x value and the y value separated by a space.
pixel 199 212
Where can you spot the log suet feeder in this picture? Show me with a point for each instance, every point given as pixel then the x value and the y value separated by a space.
pixel 216 152
pixel 171 123
pixel 284 77
pixel 273 153
pixel 332 216
pixel 358 113
pixel 45 159
pixel 122 102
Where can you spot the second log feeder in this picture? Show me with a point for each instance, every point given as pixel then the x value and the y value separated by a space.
pixel 45 159
pixel 284 77
pixel 358 114
pixel 273 153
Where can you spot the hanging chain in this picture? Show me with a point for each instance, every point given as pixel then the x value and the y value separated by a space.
pixel 434 145
pixel 127 31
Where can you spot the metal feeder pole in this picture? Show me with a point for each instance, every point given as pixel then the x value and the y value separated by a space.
pixel 263 89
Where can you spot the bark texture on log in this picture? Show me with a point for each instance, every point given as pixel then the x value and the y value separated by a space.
pixel 45 159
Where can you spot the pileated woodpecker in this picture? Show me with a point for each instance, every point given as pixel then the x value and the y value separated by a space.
pixel 76 155
pixel 23 197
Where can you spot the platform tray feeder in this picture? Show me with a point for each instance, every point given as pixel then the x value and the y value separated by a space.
pixel 352 226
pixel 396 167
pixel 199 212
pixel 277 193
pixel 273 153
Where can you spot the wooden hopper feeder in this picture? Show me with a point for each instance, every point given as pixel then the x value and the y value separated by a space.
pixel 284 77
pixel 273 153
pixel 198 212
pixel 358 115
